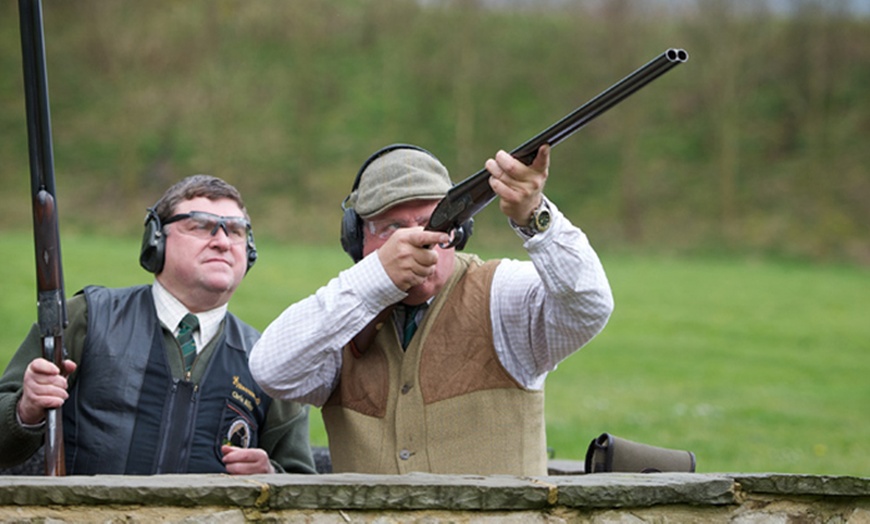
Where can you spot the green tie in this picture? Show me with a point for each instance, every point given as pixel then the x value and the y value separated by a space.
pixel 187 326
pixel 410 326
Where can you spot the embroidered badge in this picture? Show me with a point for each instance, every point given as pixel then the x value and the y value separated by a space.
pixel 239 434
pixel 237 383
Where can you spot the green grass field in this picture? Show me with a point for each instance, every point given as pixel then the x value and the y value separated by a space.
pixel 755 366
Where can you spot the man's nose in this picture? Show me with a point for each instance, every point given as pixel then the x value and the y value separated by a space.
pixel 220 237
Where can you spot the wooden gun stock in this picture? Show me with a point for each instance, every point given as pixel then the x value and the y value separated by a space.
pixel 51 308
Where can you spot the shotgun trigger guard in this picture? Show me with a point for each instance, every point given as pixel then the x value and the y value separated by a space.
pixel 457 238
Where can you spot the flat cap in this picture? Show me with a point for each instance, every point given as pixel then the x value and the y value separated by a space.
pixel 399 176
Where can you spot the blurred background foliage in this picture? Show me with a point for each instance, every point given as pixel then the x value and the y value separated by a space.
pixel 758 145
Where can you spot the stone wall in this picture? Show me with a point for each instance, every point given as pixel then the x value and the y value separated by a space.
pixel 342 498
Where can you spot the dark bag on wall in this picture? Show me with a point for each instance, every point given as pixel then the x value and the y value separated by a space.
pixel 611 454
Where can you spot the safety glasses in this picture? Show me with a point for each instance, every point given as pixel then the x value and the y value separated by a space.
pixel 204 225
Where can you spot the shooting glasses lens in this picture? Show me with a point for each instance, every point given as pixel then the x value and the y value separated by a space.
pixel 203 225
pixel 385 227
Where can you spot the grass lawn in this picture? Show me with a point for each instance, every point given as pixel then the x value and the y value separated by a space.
pixel 755 366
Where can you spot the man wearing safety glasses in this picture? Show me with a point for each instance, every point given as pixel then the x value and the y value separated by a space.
pixel 157 379
pixel 426 359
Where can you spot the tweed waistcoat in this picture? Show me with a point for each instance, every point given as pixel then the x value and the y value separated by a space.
pixel 445 404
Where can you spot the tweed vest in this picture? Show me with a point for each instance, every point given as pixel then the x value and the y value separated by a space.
pixel 444 405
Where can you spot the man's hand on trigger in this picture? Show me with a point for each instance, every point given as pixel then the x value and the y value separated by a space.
pixel 519 186
pixel 407 257
pixel 246 461
pixel 44 387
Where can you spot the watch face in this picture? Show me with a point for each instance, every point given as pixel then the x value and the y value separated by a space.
pixel 542 220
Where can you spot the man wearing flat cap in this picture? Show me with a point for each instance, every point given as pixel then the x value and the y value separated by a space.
pixel 425 359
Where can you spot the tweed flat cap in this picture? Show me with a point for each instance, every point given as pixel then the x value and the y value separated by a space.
pixel 396 177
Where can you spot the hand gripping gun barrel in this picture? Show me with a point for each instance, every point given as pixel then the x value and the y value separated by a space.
pixel 470 196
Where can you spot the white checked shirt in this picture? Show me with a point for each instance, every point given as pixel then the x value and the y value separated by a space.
pixel 170 311
pixel 542 311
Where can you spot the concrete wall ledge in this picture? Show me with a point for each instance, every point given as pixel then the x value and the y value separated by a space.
pixel 703 497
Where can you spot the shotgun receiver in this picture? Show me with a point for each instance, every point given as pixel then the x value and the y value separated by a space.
pixel 468 197
pixel 51 303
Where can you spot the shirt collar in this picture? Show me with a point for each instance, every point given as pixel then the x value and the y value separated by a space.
pixel 170 311
pixel 400 312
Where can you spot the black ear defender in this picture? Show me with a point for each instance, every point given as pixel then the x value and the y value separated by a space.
pixel 352 223
pixel 252 251
pixel 153 252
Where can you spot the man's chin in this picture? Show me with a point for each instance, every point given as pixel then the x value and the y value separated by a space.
pixel 222 284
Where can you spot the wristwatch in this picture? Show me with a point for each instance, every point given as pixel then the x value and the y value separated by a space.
pixel 539 221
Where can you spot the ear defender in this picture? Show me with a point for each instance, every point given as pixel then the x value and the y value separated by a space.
pixel 351 233
pixel 252 251
pixel 151 255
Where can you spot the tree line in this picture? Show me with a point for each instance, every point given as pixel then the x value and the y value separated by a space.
pixel 756 145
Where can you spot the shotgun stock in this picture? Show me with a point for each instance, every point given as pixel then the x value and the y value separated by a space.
pixel 470 196
pixel 51 302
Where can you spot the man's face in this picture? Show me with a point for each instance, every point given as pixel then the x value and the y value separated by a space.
pixel 203 270
pixel 380 228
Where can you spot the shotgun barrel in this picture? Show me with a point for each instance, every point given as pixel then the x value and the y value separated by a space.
pixel 470 196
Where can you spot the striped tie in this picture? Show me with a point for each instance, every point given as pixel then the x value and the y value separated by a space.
pixel 410 323
pixel 186 327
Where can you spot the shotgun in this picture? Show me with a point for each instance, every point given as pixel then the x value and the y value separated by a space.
pixel 51 303
pixel 470 196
